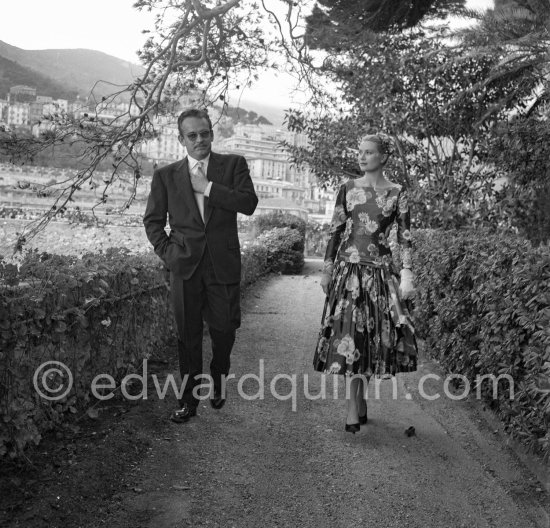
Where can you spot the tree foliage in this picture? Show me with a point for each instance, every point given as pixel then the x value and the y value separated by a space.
pixel 522 151
pixel 440 99
pixel 404 83
pixel 197 48
pixel 442 96
pixel 338 25
pixel 518 34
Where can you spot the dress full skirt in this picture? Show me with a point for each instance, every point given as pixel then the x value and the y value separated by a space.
pixel 366 327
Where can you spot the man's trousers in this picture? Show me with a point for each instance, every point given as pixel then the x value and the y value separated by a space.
pixel 203 297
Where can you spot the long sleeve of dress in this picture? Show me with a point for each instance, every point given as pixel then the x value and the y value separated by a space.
pixel 403 221
pixel 337 226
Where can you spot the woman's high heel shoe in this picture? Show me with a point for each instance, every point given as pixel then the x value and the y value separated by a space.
pixel 353 428
pixel 363 419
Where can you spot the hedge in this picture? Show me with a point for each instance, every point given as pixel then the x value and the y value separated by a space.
pixel 483 306
pixel 254 264
pixel 285 250
pixel 283 236
pixel 268 221
pixel 101 314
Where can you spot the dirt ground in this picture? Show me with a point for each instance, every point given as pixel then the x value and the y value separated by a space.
pixel 259 462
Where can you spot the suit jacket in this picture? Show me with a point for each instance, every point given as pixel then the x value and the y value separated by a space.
pixel 171 193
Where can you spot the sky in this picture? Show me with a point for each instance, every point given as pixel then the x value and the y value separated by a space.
pixel 111 26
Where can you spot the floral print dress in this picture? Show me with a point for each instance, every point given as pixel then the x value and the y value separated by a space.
pixel 366 327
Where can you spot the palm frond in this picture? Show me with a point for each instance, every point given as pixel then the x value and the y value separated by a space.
pixel 471 14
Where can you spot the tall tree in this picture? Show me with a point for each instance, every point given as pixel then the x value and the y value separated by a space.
pixel 336 25
pixel 202 48
pixel 517 32
pixel 441 99
pixel 404 83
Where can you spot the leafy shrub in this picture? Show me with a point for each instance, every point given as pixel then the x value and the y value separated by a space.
pixel 285 249
pixel 268 221
pixel 317 236
pixel 253 264
pixel 522 151
pixel 283 237
pixel 100 315
pixel 483 306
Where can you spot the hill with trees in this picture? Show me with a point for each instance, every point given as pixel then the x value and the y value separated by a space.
pixel 77 70
pixel 12 74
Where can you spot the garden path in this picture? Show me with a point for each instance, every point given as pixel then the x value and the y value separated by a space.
pixel 261 463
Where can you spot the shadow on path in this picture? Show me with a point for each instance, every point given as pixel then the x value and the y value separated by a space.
pixel 277 454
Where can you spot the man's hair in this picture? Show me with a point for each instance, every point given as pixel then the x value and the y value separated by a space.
pixel 193 112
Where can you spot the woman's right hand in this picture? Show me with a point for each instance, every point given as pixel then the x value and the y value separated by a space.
pixel 325 281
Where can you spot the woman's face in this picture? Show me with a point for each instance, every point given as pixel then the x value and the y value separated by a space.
pixel 370 158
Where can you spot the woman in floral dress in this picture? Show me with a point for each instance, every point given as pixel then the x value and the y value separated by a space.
pixel 366 327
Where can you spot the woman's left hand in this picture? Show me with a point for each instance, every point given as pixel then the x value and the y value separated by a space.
pixel 325 281
pixel 406 288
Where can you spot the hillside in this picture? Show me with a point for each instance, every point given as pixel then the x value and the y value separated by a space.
pixel 76 69
pixel 65 73
pixel 12 74
pixel 273 114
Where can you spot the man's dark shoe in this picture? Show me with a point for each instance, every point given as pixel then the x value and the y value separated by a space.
pixel 184 414
pixel 217 401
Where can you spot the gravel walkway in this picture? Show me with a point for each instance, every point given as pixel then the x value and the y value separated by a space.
pixel 258 462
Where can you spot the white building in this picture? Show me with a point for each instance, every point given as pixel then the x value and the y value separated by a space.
pixel 63 105
pixel 18 114
pixel 166 147
pixel 52 107
pixel 55 106
pixel 270 167
pixel 267 168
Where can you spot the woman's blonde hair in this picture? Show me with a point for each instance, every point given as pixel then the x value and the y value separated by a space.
pixel 384 142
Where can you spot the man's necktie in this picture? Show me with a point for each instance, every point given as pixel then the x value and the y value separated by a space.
pixel 201 199
pixel 199 169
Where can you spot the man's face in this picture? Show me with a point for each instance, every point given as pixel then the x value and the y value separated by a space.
pixel 196 137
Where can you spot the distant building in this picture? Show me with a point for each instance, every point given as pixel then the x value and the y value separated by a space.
pixel 76 106
pixel 57 106
pixel 105 111
pixel 44 107
pixel 22 94
pixel 24 108
pixel 53 106
pixel 166 146
pixel 3 109
pixel 259 142
pixel 35 112
pixel 281 205
pixel 277 189
pixel 266 168
pixel 62 105
pixel 18 114
pixel 270 167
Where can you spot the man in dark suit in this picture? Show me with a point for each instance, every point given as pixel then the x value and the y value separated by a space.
pixel 202 195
